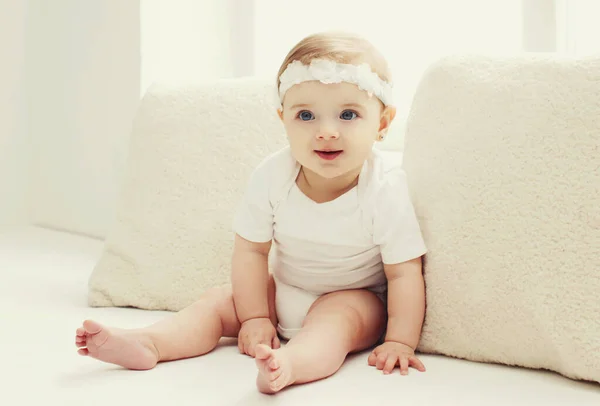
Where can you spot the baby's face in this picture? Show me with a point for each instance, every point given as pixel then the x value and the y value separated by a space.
pixel 331 127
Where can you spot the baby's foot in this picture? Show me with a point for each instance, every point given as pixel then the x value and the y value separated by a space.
pixel 274 369
pixel 127 348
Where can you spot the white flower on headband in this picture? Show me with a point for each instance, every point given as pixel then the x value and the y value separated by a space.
pixel 328 71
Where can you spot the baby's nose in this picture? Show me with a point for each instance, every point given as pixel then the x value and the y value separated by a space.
pixel 328 133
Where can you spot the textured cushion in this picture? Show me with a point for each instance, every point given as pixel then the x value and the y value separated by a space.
pixel 503 160
pixel 191 152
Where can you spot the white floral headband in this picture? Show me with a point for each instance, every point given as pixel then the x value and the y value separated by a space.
pixel 327 71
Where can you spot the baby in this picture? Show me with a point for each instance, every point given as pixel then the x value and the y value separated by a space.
pixel 338 215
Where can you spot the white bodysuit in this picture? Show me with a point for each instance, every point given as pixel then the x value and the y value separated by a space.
pixel 325 247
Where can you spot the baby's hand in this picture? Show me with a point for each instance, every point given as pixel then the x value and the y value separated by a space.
pixel 390 354
pixel 254 332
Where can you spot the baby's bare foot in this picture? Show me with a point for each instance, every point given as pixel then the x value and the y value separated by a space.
pixel 274 369
pixel 127 348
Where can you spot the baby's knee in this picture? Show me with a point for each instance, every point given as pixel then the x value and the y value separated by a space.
pixel 367 318
pixel 218 298
pixel 354 317
pixel 357 307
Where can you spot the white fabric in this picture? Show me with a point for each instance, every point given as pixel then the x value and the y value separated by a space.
pixel 328 71
pixel 341 244
pixel 291 305
pixel 503 162
pixel 43 288
pixel 337 245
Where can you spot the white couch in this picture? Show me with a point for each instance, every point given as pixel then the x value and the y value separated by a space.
pixel 44 294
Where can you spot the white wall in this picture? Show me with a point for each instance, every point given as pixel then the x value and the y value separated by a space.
pixel 14 145
pixel 70 84
pixel 539 26
pixel 191 40
pixel 83 87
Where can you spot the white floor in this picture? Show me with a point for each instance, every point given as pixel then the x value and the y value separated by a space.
pixel 43 282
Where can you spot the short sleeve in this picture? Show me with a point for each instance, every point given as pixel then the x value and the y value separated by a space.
pixel 396 228
pixel 253 219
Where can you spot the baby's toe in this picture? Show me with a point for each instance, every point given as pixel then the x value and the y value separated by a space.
pixel 80 331
pixel 274 375
pixel 80 344
pixel 273 363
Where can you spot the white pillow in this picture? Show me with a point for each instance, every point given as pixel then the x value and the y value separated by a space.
pixel 503 160
pixel 190 156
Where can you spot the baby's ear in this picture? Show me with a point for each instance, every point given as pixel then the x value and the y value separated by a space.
pixel 280 114
pixel 387 116
pixel 392 111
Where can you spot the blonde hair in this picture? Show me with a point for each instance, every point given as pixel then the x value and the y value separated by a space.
pixel 341 47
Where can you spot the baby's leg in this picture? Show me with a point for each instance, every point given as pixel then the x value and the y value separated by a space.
pixel 337 324
pixel 193 331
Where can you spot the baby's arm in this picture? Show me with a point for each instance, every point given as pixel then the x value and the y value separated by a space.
pixel 406 311
pixel 406 302
pixel 253 225
pixel 397 232
pixel 249 280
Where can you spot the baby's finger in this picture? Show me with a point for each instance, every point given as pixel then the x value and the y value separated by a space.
pixel 246 347
pixel 381 358
pixel 266 340
pixel 372 359
pixel 276 342
pixel 415 362
pixel 404 365
pixel 251 346
pixel 390 364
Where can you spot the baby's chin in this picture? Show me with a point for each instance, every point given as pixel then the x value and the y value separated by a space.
pixel 330 172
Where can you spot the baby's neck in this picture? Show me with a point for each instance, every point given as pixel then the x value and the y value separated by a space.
pixel 323 190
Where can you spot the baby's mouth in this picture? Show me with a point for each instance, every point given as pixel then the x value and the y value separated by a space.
pixel 329 155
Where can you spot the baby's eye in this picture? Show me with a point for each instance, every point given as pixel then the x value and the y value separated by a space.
pixel 348 115
pixel 305 115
